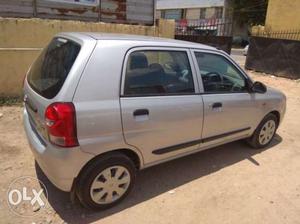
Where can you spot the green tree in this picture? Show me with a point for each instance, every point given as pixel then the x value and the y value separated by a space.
pixel 250 12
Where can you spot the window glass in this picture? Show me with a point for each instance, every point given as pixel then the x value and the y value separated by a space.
pixel 49 72
pixel 203 13
pixel 173 14
pixel 218 12
pixel 153 72
pixel 218 74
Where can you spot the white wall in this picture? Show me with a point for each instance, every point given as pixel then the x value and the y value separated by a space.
pixel 184 4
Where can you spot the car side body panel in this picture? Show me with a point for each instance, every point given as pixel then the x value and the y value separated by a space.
pixel 99 124
pixel 99 108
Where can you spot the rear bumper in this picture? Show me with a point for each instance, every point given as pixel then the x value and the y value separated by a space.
pixel 60 165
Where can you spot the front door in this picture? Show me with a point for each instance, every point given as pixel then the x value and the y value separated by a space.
pixel 230 111
pixel 162 111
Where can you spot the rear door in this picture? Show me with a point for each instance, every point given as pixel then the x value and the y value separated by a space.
pixel 162 112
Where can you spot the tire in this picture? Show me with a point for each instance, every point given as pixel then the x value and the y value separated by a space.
pixel 256 140
pixel 107 192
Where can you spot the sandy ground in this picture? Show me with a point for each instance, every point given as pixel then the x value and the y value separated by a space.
pixel 227 184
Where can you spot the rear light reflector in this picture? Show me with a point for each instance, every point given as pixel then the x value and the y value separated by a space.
pixel 61 124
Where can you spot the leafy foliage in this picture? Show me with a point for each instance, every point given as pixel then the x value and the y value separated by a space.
pixel 251 12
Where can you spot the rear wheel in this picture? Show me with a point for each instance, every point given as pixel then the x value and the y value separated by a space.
pixel 106 182
pixel 264 133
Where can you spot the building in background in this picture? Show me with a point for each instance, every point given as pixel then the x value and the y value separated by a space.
pixel 190 9
pixel 282 21
pixel 111 11
pixel 88 2
pixel 283 15
pixel 203 17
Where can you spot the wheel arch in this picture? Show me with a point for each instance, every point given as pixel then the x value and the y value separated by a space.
pixel 277 114
pixel 131 154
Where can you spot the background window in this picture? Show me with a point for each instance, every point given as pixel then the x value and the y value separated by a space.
pixel 218 74
pixel 219 12
pixel 173 14
pixel 158 73
pixel 203 13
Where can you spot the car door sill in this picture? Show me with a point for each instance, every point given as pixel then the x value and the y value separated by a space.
pixel 196 142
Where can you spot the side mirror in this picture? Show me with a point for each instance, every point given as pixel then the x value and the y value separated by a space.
pixel 258 87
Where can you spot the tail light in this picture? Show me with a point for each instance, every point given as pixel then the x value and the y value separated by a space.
pixel 61 124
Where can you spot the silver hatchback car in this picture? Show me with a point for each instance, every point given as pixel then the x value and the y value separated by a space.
pixel 99 107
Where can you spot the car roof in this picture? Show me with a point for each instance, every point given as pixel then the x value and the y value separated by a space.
pixel 139 38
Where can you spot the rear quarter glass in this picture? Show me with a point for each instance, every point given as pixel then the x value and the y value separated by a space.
pixel 50 70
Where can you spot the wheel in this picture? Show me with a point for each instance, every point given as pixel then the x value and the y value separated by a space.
pixel 106 182
pixel 264 133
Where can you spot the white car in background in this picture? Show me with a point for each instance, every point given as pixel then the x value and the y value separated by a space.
pixel 245 51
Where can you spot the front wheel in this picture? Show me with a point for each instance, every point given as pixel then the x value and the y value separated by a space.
pixel 264 133
pixel 106 182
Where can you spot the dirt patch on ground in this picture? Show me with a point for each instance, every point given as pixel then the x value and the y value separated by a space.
pixel 227 184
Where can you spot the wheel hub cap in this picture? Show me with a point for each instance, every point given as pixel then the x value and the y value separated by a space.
pixel 267 132
pixel 110 185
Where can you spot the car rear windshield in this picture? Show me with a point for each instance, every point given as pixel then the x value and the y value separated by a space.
pixel 49 72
